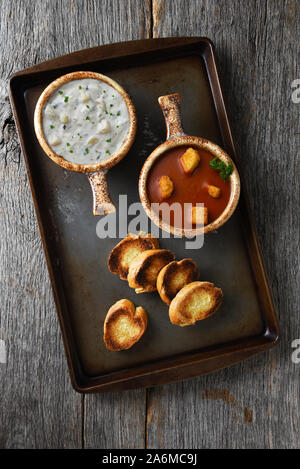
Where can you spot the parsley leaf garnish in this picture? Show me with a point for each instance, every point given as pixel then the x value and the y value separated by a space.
pixel 224 170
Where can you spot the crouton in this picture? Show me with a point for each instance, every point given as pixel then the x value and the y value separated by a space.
pixel 214 191
pixel 190 160
pixel 166 187
pixel 199 215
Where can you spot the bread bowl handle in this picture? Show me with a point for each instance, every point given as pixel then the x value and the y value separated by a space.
pixel 170 107
pixel 102 203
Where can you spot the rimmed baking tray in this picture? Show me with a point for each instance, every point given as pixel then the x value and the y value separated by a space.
pixel 83 287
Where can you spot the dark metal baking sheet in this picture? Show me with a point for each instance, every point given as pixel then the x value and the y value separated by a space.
pixel 83 287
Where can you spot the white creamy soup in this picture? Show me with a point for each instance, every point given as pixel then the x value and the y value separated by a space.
pixel 85 121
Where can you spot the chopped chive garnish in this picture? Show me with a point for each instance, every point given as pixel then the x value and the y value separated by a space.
pixel 87 106
pixel 112 95
pixel 118 113
pixel 108 140
pixel 86 151
pixel 111 114
pixel 66 99
pixel 111 105
pixel 71 151
pixel 107 151
pixel 80 87
pixel 106 111
pixel 51 126
pixel 87 118
pixel 104 91
pixel 117 126
pixel 68 144
pixel 61 92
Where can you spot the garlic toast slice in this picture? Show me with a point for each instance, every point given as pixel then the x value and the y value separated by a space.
pixel 174 276
pixel 144 269
pixel 194 302
pixel 127 250
pixel 124 325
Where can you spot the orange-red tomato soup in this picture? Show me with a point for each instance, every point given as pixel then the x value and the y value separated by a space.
pixel 189 188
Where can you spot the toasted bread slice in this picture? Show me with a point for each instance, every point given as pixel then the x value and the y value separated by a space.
pixel 144 269
pixel 174 276
pixel 124 325
pixel 194 302
pixel 130 247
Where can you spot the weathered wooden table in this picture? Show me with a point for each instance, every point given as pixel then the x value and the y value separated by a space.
pixel 253 404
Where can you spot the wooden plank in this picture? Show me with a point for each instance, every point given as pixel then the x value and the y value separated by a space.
pixel 117 420
pixel 38 406
pixel 253 404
